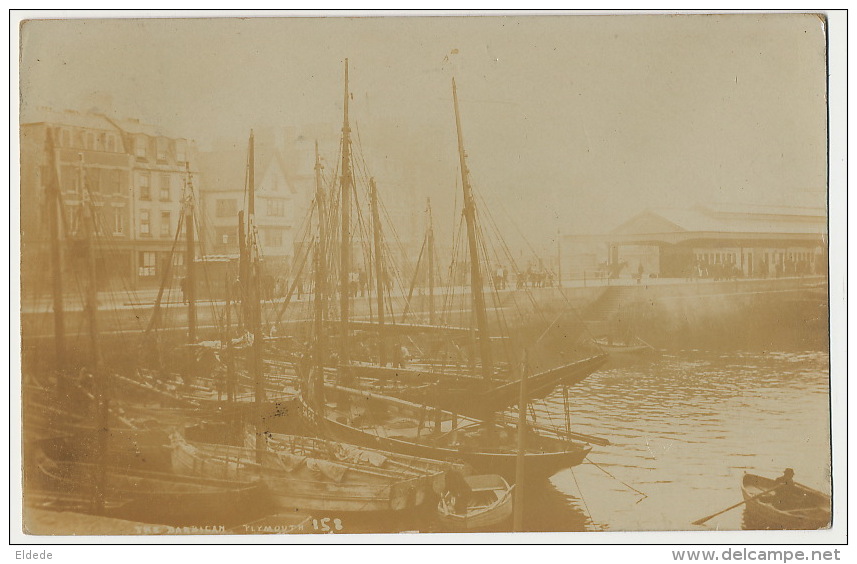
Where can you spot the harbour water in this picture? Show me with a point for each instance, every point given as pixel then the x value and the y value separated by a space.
pixel 684 426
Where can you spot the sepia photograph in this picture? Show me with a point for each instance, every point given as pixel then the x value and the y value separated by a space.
pixel 492 273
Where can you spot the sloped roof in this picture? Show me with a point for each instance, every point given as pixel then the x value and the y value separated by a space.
pixel 775 219
pixel 135 126
pixel 226 170
pixel 763 209
pixel 223 171
pixel 67 117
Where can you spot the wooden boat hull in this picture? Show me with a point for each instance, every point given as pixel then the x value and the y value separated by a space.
pixel 539 463
pixel 617 349
pixel 489 517
pixel 154 497
pixel 144 449
pixel 807 509
pixel 300 490
pixel 474 396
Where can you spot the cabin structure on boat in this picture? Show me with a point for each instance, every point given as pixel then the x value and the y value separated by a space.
pixel 712 240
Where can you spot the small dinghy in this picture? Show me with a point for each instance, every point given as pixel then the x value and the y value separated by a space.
pixel 484 502
pixel 792 506
pixel 633 346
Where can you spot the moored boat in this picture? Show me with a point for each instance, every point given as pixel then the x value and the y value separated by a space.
pixel 394 425
pixel 634 346
pixel 488 504
pixel 796 506
pixel 149 497
pixel 305 474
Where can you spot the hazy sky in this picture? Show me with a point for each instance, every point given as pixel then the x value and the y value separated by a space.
pixel 572 122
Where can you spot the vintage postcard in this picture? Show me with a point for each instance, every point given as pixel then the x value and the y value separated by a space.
pixel 435 273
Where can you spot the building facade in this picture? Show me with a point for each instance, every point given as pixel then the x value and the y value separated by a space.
pixel 160 172
pixel 87 152
pixel 715 240
pixel 279 209
pixel 135 176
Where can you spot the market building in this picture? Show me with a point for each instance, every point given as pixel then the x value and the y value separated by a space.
pixel 714 240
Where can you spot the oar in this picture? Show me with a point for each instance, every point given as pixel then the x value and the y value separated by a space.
pixel 704 519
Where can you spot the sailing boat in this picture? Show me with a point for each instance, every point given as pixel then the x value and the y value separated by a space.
pixel 304 474
pixel 84 473
pixel 422 428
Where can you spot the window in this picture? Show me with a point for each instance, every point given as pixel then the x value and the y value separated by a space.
pixel 273 238
pixel 226 236
pixel 147 263
pixel 145 191
pixel 166 228
pixel 68 178
pixel 113 181
pixel 276 208
pixel 111 143
pixel 145 223
pixel 90 141
pixel 165 187
pixel 92 179
pixel 118 221
pixel 227 208
pixel 162 144
pixel 181 150
pixel 140 143
pixel 66 138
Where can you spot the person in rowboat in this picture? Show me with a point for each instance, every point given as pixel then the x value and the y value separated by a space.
pixel 787 494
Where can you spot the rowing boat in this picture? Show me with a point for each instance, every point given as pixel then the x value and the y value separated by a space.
pixel 790 507
pixel 635 346
pixel 488 504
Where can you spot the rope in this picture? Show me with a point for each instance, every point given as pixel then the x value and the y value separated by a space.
pixel 583 499
pixel 620 481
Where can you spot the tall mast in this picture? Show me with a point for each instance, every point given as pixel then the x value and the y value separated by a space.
pixel 316 383
pixel 518 501
pixel 253 297
pixel 251 180
pixel 87 232
pixel 243 272
pixel 346 184
pixel 53 201
pixel 379 269
pixel 475 270
pixel 320 293
pixel 190 256
pixel 320 203
pixel 227 340
pixel 430 243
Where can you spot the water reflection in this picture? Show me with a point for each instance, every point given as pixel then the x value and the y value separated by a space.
pixel 684 427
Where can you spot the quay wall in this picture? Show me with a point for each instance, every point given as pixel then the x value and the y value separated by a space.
pixel 755 313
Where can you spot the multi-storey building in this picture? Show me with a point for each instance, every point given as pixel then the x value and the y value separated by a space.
pixel 136 176
pixel 279 211
pixel 160 169
pixel 88 151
